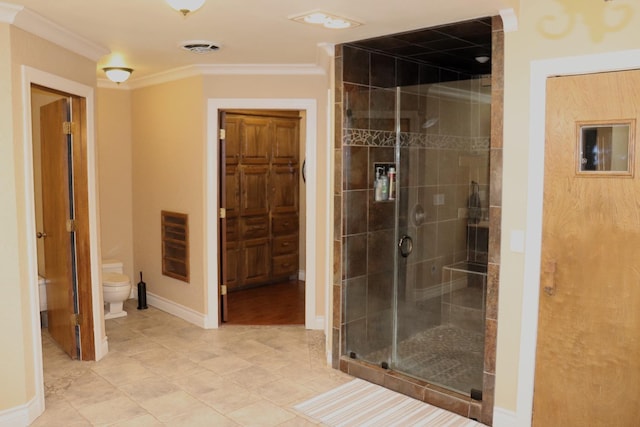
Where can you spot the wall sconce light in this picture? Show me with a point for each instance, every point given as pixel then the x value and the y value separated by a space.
pixel 186 6
pixel 117 74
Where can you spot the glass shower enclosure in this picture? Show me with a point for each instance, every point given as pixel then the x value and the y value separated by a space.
pixel 419 305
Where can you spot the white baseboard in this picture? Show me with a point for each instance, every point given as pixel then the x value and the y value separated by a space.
pixel 103 349
pixel 22 415
pixel 504 418
pixel 319 323
pixel 177 310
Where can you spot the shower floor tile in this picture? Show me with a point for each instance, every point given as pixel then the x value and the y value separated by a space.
pixel 444 355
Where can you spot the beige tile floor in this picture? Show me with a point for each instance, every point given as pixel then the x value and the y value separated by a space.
pixel 161 370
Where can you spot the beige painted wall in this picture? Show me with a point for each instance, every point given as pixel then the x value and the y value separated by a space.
pixel 114 156
pixel 20 48
pixel 544 32
pixel 169 133
pixel 168 174
pixel 15 370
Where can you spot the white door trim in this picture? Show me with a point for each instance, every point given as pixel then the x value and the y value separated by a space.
pixel 33 76
pixel 540 71
pixel 211 272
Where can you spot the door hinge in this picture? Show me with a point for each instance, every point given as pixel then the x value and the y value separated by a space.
pixel 222 134
pixel 71 225
pixel 75 319
pixel 223 213
pixel 67 128
pixel 223 289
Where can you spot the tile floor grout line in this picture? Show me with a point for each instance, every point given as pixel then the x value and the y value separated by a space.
pixel 277 367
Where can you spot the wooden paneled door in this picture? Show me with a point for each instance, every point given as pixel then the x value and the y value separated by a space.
pixel 261 196
pixel 588 344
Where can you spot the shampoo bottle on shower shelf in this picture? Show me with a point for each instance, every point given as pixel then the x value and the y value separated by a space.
pixel 384 186
pixel 377 186
pixel 392 183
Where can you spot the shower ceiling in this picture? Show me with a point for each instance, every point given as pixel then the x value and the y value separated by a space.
pixel 453 46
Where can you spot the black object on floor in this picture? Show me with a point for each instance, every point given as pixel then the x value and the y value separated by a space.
pixel 142 294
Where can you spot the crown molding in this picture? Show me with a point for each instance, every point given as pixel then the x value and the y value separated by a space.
pixel 8 12
pixel 38 25
pixel 226 69
pixel 509 20
pixel 263 69
pixel 328 48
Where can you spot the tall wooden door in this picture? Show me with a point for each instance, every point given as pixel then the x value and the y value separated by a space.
pixel 59 244
pixel 588 345
pixel 261 196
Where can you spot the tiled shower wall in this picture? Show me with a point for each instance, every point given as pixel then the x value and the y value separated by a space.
pixel 439 162
pixel 364 242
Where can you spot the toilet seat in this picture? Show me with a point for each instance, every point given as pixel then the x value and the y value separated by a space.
pixel 114 279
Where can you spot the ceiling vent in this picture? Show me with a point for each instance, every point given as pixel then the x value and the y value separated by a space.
pixel 200 46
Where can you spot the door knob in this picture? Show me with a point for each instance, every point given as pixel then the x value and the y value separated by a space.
pixel 41 235
pixel 405 245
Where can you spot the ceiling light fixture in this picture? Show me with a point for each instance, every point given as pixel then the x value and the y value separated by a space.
pixel 482 59
pixel 186 6
pixel 118 74
pixel 327 20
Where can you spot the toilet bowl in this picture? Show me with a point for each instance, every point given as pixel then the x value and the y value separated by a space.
pixel 42 291
pixel 115 289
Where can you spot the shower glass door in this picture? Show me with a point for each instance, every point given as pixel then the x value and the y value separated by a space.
pixel 415 262
pixel 442 154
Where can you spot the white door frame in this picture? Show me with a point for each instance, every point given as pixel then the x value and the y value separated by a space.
pixel 34 76
pixel 211 271
pixel 540 71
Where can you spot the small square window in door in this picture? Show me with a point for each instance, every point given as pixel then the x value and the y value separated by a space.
pixel 605 148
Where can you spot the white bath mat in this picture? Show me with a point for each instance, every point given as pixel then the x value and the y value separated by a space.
pixel 360 403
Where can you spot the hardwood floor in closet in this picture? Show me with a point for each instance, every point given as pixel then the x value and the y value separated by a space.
pixel 276 304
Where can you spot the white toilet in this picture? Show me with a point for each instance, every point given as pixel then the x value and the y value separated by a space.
pixel 115 288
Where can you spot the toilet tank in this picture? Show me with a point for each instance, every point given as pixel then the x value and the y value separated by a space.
pixel 112 266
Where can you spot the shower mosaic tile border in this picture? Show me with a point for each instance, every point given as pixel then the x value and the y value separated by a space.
pixel 378 138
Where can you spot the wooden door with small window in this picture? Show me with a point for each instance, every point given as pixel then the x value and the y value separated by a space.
pixel 588 347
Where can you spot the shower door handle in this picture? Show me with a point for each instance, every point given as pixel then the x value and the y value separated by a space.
pixel 405 245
